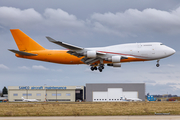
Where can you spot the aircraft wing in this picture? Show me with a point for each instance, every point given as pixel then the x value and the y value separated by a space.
pixel 22 53
pixel 66 45
pixel 80 52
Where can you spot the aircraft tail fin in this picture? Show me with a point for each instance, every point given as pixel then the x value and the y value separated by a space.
pixel 24 42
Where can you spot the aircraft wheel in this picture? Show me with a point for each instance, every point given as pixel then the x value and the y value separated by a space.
pixel 157 65
pixel 92 68
pixel 101 66
pixel 100 69
pixel 95 68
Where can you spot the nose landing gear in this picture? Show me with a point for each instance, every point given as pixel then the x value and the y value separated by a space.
pixel 157 65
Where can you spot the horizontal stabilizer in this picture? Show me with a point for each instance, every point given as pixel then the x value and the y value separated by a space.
pixel 22 53
pixel 66 45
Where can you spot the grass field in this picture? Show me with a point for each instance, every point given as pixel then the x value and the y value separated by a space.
pixel 88 108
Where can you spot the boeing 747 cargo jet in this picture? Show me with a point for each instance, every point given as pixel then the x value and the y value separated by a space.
pixel 96 57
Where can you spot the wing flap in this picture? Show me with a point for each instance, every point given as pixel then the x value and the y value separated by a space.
pixel 63 44
pixel 75 53
pixel 89 60
pixel 22 53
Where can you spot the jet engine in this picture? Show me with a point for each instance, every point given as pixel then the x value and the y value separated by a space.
pixel 91 54
pixel 115 64
pixel 115 59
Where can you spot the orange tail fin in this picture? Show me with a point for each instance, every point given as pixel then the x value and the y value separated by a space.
pixel 24 42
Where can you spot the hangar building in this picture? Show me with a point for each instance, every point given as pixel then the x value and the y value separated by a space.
pixel 114 91
pixel 46 93
pixel 96 92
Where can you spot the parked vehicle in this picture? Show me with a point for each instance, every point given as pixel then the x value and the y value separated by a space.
pixel 151 98
pixel 171 99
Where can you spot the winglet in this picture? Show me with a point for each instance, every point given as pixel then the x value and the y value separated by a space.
pixel 50 39
pixel 63 44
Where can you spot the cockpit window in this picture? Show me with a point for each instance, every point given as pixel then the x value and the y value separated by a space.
pixel 161 44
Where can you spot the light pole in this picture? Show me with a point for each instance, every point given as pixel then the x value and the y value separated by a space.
pixel 45 91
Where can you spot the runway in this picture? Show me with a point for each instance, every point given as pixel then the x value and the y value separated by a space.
pixel 154 117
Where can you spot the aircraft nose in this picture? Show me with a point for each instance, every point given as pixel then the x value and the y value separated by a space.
pixel 171 51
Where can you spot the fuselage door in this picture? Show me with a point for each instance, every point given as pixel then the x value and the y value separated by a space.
pixel 153 49
pixel 139 48
pixel 139 45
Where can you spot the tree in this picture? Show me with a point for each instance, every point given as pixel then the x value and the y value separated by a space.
pixel 4 91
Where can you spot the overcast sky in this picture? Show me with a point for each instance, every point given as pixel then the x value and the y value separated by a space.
pixel 90 24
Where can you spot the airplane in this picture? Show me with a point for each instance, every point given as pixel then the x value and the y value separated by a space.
pixel 130 99
pixel 96 57
pixel 29 100
pixel 133 99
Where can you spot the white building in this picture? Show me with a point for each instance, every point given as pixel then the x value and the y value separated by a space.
pixel 99 92
pixel 46 93
pixel 113 94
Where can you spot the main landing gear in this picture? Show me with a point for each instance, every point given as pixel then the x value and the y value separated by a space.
pixel 100 67
pixel 157 65
pixel 93 68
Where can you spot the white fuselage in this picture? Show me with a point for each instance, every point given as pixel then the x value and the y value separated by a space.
pixel 148 51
